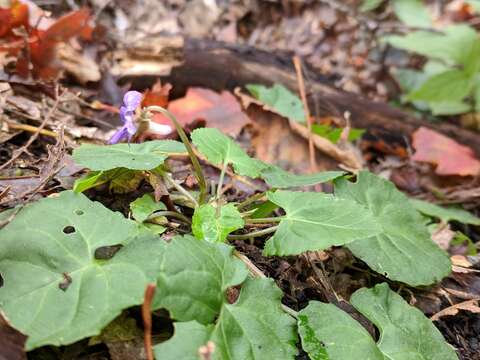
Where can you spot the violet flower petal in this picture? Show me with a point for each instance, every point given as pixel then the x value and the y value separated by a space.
pixel 121 134
pixel 132 100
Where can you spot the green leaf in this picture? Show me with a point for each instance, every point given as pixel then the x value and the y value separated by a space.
pixel 449 86
pixel 412 13
pixel 329 333
pixel 333 134
pixel 144 156
pixel 193 278
pixel 449 108
pixel 121 180
pixel 403 250
pixel 221 149
pixel 91 180
pixel 445 214
pixel 276 177
pixel 316 221
pixel 55 290
pixel 369 5
pixel 253 328
pixel 280 100
pixel 144 206
pixel 454 46
pixel 405 332
pixel 187 339
pixel 211 226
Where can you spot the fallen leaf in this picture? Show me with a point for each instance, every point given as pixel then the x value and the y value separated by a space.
pixel 221 111
pixel 442 236
pixel 450 157
pixel 12 342
pixel 469 305
pixel 157 95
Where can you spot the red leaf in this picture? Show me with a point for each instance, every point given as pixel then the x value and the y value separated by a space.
pixel 221 111
pixel 450 157
pixel 67 26
pixel 157 95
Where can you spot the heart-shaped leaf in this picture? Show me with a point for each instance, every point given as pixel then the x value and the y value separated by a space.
pixel 403 250
pixel 252 328
pixel 144 156
pixel 194 276
pixel 278 178
pixel 56 290
pixel 220 149
pixel 316 221
pixel 212 224
pixel 405 332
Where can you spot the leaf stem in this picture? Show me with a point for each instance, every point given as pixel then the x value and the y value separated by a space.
pixel 220 180
pixel 170 214
pixel 180 188
pixel 196 164
pixel 264 220
pixel 258 233
pixel 250 200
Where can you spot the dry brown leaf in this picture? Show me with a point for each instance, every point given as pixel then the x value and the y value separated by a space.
pixel 450 157
pixel 12 342
pixel 78 64
pixel 221 111
pixel 469 305
pixel 442 236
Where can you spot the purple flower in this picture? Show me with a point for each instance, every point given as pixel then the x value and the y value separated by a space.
pixel 131 101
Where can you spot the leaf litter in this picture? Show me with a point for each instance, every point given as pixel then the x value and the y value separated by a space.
pixel 336 273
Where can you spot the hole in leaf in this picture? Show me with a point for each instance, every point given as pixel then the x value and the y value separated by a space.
pixel 106 252
pixel 79 212
pixel 232 294
pixel 1 281
pixel 68 229
pixel 67 280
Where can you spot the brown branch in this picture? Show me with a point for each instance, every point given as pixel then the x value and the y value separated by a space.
pixel 147 319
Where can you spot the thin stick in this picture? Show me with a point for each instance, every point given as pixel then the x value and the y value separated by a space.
pixel 253 234
pixel 35 135
pixel 147 319
pixel 256 272
pixel 301 85
pixel 196 164
pixel 220 180
pixel 32 129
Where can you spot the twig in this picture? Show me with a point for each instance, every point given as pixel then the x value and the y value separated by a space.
pixel 32 129
pixel 301 87
pixel 256 272
pixel 250 200
pixel 35 135
pixel 147 319
pixel 263 220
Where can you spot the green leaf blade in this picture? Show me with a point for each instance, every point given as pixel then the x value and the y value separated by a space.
pixel 403 250
pixel 445 214
pixel 406 333
pixel 54 290
pixel 144 156
pixel 221 149
pixel 279 178
pixel 279 99
pixel 316 221
pixel 213 225
pixel 193 278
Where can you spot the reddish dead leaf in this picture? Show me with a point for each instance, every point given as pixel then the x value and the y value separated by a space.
pixel 12 342
pixel 450 157
pixel 35 48
pixel 157 95
pixel 221 111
